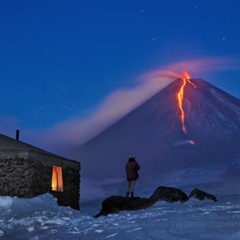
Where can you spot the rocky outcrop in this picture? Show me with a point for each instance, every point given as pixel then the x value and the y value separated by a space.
pixel 169 194
pixel 201 195
pixel 115 204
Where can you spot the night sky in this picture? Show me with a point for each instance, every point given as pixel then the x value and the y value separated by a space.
pixel 70 65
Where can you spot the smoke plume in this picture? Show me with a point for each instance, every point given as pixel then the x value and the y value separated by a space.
pixel 76 131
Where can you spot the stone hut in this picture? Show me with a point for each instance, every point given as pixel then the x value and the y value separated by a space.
pixel 27 171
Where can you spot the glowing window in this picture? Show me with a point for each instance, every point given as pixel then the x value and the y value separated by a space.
pixel 57 179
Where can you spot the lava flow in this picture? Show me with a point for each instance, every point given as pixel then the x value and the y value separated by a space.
pixel 180 96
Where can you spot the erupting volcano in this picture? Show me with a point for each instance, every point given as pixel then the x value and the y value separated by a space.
pixel 159 133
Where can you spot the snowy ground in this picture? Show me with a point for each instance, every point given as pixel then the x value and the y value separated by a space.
pixel 42 218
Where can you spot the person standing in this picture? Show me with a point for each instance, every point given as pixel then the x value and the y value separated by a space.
pixel 132 168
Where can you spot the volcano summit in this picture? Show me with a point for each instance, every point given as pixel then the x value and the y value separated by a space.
pixel 208 139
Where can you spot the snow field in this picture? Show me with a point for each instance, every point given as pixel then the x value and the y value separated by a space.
pixel 191 220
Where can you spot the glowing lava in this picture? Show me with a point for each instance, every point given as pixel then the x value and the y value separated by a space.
pixel 180 96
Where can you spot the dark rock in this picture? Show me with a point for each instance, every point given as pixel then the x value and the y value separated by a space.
pixel 201 195
pixel 115 204
pixel 169 194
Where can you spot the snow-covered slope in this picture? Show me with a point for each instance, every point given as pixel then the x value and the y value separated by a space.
pixel 153 132
pixel 40 218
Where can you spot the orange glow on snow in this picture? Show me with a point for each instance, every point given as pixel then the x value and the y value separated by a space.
pixel 186 79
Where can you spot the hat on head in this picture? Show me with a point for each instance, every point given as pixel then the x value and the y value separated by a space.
pixel 132 158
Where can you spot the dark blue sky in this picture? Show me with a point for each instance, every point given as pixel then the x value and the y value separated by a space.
pixel 61 59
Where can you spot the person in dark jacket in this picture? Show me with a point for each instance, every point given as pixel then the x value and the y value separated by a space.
pixel 132 168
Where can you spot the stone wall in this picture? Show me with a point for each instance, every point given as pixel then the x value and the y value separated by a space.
pixel 17 177
pixel 29 178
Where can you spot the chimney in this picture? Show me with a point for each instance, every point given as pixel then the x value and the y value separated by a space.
pixel 17 135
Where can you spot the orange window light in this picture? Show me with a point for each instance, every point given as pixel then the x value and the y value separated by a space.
pixel 57 179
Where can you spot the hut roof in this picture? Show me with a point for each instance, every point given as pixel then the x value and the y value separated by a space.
pixel 11 148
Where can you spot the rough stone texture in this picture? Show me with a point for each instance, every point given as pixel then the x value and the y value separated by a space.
pixel 24 178
pixel 26 171
pixel 201 195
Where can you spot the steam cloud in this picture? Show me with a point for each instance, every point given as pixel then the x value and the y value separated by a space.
pixel 76 131
pixel 79 130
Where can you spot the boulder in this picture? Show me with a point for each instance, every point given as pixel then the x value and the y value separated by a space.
pixel 115 204
pixel 169 194
pixel 201 195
